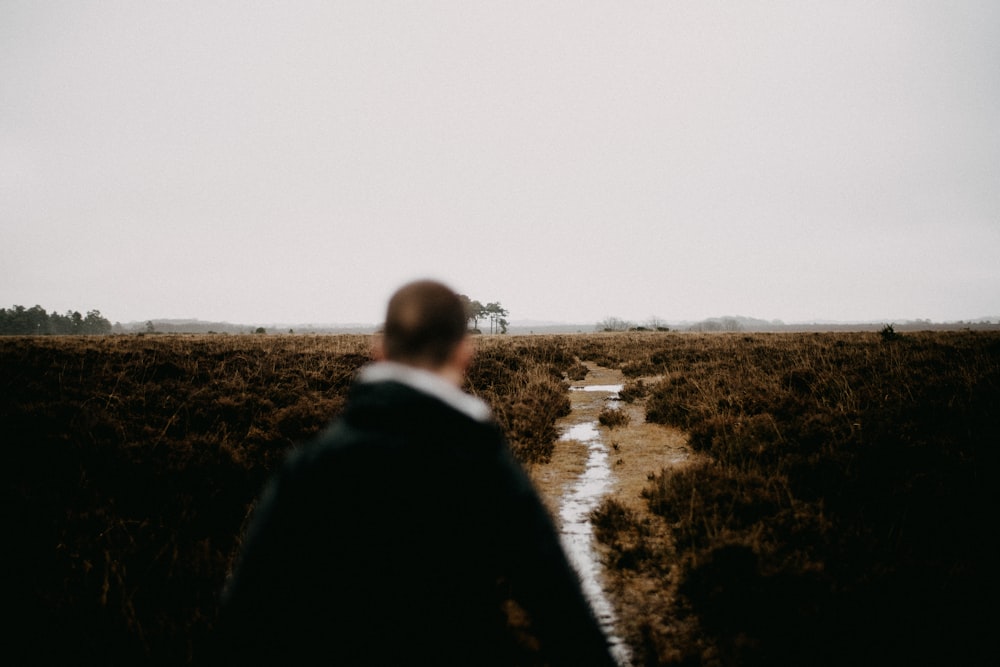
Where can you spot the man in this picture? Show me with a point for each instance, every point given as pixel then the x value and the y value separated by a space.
pixel 396 537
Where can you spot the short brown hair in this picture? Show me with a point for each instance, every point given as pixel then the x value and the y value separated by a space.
pixel 424 323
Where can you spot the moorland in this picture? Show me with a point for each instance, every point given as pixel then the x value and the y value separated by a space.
pixel 836 507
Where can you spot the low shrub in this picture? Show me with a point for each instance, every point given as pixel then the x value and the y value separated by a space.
pixel 577 372
pixel 633 391
pixel 613 417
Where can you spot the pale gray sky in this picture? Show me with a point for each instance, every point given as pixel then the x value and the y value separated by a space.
pixel 296 161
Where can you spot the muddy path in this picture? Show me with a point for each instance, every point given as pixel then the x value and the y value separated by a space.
pixel 592 462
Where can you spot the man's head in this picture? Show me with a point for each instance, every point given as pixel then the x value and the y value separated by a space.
pixel 426 326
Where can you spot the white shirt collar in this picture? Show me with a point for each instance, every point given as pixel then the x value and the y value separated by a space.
pixel 428 383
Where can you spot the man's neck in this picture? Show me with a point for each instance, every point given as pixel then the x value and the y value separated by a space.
pixel 427 382
pixel 453 375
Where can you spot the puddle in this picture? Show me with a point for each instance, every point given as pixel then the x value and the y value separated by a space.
pixel 607 388
pixel 585 494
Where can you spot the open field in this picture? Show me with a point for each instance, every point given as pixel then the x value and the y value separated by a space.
pixel 835 507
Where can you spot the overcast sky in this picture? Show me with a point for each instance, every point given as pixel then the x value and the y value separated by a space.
pixel 296 161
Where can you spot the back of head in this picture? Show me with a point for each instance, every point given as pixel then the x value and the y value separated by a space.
pixel 424 323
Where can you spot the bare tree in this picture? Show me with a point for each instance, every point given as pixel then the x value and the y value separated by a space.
pixel 614 324
pixel 656 324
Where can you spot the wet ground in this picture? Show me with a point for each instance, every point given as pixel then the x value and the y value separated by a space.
pixel 582 496
pixel 592 462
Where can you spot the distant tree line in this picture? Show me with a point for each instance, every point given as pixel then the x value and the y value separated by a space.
pixel 492 312
pixel 34 321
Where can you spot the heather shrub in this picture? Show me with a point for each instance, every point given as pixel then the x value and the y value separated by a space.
pixel 613 417
pixel 527 394
pixel 135 461
pixel 840 501
pixel 577 372
pixel 633 391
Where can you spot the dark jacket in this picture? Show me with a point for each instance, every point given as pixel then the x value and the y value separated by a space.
pixel 393 538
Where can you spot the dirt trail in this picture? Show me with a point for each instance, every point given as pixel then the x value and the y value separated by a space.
pixel 626 455
pixel 636 449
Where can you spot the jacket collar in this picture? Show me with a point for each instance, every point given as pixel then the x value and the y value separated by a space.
pixel 428 383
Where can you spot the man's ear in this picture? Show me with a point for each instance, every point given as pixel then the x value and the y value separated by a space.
pixel 464 353
pixel 378 348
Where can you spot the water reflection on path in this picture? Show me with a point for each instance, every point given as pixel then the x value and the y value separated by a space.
pixel 583 496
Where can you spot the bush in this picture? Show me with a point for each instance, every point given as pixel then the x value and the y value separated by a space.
pixel 633 390
pixel 577 372
pixel 613 417
pixel 888 333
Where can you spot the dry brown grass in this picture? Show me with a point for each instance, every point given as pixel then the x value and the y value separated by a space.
pixel 135 460
pixel 835 515
pixel 780 498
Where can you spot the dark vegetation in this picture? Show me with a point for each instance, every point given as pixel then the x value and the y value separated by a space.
pixel 133 461
pixel 840 511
